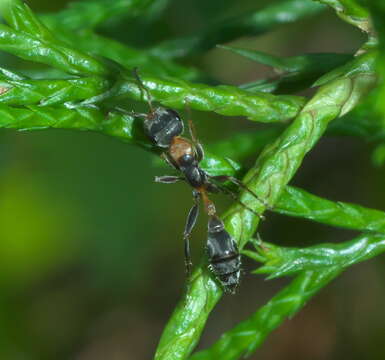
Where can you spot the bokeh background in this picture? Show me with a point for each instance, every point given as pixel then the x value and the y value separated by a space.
pixel 91 255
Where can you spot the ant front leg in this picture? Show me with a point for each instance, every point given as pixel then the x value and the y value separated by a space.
pixel 143 89
pixel 168 179
pixel 130 113
pixel 169 160
pixel 190 223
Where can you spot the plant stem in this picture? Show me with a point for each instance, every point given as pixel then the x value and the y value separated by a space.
pixel 268 178
pixel 251 333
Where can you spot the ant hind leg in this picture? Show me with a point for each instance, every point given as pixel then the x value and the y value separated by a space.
pixel 234 196
pixel 190 223
pixel 223 178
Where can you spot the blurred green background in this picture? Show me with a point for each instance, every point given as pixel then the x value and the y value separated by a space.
pixel 91 255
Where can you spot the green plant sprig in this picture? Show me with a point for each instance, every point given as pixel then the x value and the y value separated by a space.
pixel 29 39
pixel 81 101
pixel 257 23
pixel 127 56
pixel 267 179
pixel 75 26
pixel 351 12
pixel 124 55
pixel 377 12
pixel 51 92
pixel 292 202
pixel 91 13
pixel 361 122
pixel 280 160
pixel 225 100
pixel 80 118
pixel 222 99
pixel 248 335
pixel 293 73
pixel 299 203
pixel 281 261
pixel 316 266
pixel 30 42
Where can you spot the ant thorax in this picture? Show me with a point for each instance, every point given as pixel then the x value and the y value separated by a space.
pixel 162 126
pixel 182 151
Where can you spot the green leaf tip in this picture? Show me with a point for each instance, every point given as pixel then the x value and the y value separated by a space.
pixel 284 261
pixel 292 64
pixel 29 39
pixel 352 12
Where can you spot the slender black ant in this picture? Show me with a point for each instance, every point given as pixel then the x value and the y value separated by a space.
pixel 164 127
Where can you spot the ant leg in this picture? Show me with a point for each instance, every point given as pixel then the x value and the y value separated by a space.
pixel 190 223
pixel 169 160
pixel 200 151
pixel 168 179
pixel 223 178
pixel 234 196
pixel 192 131
pixel 197 144
pixel 260 243
pixel 130 113
pixel 143 88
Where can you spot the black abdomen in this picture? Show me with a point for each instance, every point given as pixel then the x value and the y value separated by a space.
pixel 223 255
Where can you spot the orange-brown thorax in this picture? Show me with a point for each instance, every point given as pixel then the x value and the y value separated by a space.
pixel 179 147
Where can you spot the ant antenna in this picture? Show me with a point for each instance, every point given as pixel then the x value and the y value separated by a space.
pixel 143 88
pixel 235 198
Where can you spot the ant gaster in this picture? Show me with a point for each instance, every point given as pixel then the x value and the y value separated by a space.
pixel 164 127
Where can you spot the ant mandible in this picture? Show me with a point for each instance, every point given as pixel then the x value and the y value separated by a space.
pixel 164 128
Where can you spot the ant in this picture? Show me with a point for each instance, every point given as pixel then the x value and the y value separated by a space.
pixel 164 128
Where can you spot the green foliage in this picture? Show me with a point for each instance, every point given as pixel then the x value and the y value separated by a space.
pixel 281 261
pixel 91 13
pixel 244 338
pixel 256 23
pixel 352 12
pixel 296 72
pixel 94 76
